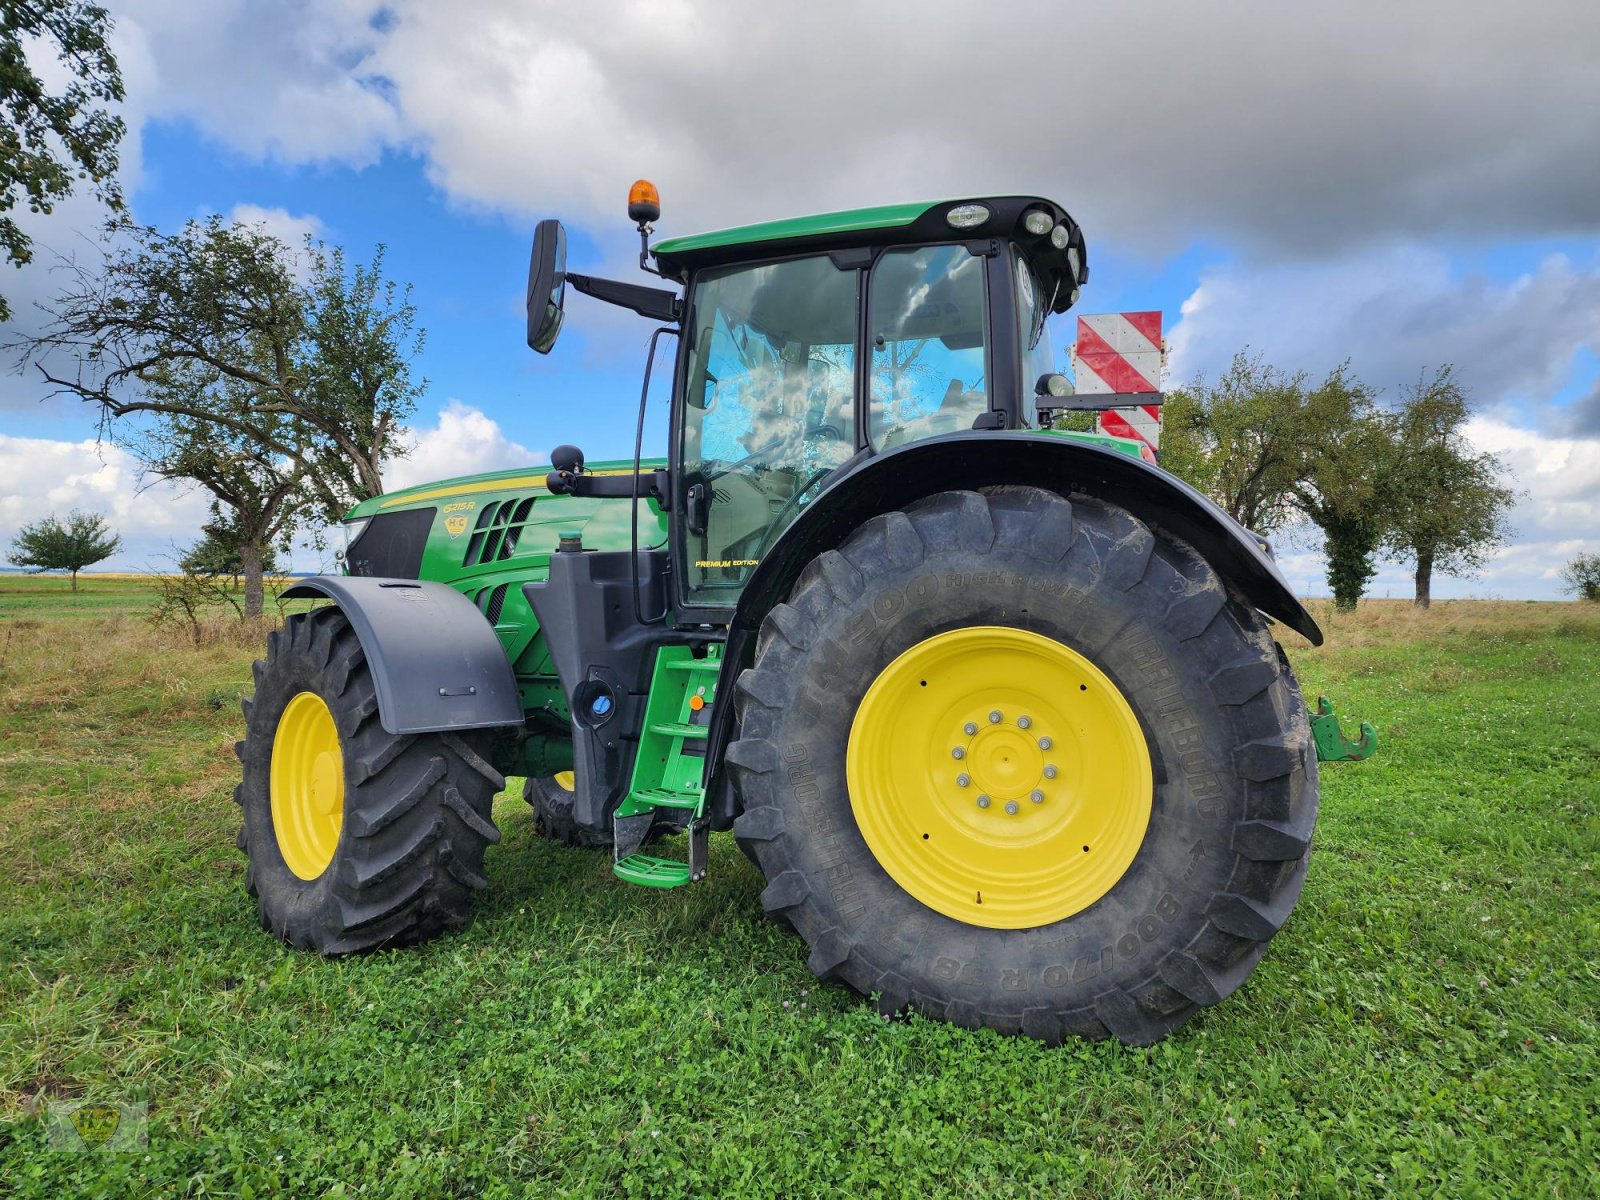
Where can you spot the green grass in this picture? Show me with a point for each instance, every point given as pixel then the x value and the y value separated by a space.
pixel 1426 1023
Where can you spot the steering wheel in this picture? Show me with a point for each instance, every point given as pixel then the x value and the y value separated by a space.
pixel 812 431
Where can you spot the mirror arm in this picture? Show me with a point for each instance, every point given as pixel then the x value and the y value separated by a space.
pixel 656 303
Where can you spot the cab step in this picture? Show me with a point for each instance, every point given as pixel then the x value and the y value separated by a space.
pixel 669 770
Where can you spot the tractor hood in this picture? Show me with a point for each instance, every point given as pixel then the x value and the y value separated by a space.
pixel 515 479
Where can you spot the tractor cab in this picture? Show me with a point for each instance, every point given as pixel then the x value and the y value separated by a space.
pixel 808 346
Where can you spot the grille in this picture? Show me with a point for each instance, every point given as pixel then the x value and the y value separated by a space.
pixel 499 528
pixel 497 601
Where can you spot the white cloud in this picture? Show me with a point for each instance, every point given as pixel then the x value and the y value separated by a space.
pixel 285 80
pixel 464 441
pixel 1393 311
pixel 1294 126
pixel 42 476
pixel 280 223
pixel 1560 475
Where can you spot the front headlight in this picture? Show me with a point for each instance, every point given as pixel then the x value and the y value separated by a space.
pixel 353 530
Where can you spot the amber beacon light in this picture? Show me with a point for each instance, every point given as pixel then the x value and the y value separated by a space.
pixel 644 202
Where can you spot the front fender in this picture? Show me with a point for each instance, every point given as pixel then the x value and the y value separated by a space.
pixel 435 660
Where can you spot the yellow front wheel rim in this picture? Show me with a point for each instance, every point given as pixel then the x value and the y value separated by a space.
pixel 307 785
pixel 999 777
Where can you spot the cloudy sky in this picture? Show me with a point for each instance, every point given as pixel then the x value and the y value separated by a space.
pixel 1399 184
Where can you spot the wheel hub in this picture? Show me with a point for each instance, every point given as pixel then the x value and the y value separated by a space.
pixel 1005 761
pixel 999 777
pixel 307 785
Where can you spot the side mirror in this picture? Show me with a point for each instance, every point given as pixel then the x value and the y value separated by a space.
pixel 547 284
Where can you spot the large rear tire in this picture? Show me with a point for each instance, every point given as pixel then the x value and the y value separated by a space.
pixel 1144 752
pixel 356 838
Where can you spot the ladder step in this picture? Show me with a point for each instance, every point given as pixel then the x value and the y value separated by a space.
pixel 664 798
pixel 709 665
pixel 679 729
pixel 646 870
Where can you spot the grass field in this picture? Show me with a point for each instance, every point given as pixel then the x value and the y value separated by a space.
pixel 1425 1025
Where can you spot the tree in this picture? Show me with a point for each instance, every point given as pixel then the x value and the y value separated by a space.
pixel 217 553
pixel 1581 577
pixel 1268 447
pixel 1241 441
pixel 1445 505
pixel 1342 479
pixel 51 545
pixel 280 393
pixel 51 138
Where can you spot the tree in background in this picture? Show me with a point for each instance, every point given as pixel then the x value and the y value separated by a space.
pixel 50 139
pixel 279 385
pixel 51 545
pixel 1445 506
pixel 259 500
pixel 1269 447
pixel 217 553
pixel 1342 479
pixel 1241 441
pixel 1581 577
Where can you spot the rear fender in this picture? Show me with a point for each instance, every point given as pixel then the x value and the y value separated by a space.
pixel 965 461
pixel 435 660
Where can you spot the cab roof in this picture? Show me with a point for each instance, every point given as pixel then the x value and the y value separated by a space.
pixel 887 225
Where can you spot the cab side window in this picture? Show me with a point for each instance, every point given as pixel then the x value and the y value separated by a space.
pixel 926 321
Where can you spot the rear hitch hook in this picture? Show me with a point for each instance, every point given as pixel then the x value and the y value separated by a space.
pixel 1332 745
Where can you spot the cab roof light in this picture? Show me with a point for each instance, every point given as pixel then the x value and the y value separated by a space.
pixel 967 216
pixel 1037 222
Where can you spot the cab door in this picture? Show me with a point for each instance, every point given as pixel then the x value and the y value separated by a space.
pixel 767 412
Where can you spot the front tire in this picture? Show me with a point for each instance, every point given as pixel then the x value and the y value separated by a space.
pixel 1019 601
pixel 551 798
pixel 356 838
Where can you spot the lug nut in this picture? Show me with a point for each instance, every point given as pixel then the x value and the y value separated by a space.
pixel 1024 722
pixel 983 801
pixel 994 717
pixel 1013 807
pixel 959 752
pixel 969 729
pixel 1050 771
pixel 1036 796
pixel 1045 743
pixel 963 779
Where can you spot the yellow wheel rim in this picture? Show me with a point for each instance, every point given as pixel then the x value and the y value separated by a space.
pixel 566 781
pixel 307 785
pixel 999 777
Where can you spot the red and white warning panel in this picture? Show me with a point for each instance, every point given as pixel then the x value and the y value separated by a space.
pixel 1119 354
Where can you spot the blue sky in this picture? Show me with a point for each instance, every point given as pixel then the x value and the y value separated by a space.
pixel 1425 197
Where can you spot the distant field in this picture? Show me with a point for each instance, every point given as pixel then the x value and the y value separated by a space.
pixel 1426 1023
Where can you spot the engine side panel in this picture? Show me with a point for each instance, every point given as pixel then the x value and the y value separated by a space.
pixel 486 536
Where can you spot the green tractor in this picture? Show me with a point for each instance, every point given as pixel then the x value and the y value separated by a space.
pixel 996 710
